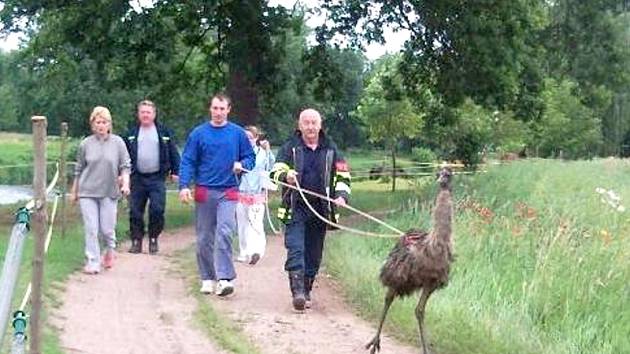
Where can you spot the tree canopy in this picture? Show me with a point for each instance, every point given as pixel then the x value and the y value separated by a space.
pixel 483 75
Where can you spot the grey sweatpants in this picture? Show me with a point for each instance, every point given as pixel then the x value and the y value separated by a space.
pixel 99 222
pixel 215 224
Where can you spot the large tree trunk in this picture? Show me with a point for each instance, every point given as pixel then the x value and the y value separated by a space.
pixel 244 38
pixel 244 97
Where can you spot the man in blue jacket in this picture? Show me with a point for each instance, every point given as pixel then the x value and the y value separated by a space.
pixel 154 156
pixel 216 152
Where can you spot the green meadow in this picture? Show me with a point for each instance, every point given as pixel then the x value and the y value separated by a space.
pixel 542 260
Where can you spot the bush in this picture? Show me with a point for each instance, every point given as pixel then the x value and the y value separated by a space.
pixel 567 125
pixel 422 154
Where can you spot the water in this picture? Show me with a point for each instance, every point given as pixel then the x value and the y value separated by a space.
pixel 14 194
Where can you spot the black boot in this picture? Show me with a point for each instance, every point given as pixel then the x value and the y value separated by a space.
pixel 136 245
pixel 153 245
pixel 296 282
pixel 308 286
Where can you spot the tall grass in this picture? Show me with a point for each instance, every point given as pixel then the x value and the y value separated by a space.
pixel 542 265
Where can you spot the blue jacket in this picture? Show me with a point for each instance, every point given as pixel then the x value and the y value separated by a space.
pixel 169 156
pixel 253 182
pixel 210 153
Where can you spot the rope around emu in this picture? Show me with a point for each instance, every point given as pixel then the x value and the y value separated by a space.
pixel 302 193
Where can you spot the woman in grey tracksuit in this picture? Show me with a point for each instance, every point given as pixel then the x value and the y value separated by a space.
pixel 101 176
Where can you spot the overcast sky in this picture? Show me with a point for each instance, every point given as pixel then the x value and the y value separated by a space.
pixel 394 41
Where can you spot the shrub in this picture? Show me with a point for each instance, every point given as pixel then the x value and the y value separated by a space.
pixel 422 154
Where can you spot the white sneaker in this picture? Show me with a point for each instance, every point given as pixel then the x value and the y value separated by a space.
pixel 242 259
pixel 207 286
pixel 224 288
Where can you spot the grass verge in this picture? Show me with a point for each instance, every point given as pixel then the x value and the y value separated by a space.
pixel 223 331
pixel 542 263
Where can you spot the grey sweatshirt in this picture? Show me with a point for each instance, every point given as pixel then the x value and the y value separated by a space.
pixel 99 163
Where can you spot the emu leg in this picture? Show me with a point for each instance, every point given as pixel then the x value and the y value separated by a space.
pixel 375 343
pixel 422 303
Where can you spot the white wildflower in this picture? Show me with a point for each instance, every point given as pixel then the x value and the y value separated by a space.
pixel 611 198
pixel 612 195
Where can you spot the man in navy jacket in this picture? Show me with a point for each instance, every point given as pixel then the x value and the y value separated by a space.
pixel 154 157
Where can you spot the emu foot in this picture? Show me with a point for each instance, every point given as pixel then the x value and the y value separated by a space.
pixel 374 345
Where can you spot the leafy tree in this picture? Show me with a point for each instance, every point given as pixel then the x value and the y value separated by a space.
pixel 158 50
pixel 460 133
pixel 8 104
pixel 343 97
pixel 300 86
pixel 510 135
pixel 387 111
pixel 587 42
pixel 458 49
pixel 172 53
pixel 567 127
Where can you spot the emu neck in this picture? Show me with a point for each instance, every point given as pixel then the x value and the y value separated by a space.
pixel 443 216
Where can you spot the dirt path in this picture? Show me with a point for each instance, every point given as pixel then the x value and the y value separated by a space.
pixel 137 307
pixel 261 304
pixel 140 307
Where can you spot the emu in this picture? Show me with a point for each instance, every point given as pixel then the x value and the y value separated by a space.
pixel 420 261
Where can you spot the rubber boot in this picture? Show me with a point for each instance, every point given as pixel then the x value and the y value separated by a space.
pixel 153 245
pixel 308 286
pixel 136 245
pixel 296 282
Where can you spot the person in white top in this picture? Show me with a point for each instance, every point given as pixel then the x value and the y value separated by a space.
pixel 250 210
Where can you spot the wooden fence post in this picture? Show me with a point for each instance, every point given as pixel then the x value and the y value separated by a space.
pixel 39 229
pixel 63 174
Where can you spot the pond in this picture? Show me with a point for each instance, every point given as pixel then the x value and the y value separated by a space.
pixel 14 194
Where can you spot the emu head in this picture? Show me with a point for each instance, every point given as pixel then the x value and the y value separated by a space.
pixel 444 176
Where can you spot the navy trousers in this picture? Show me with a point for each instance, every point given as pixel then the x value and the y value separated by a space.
pixel 145 188
pixel 304 240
